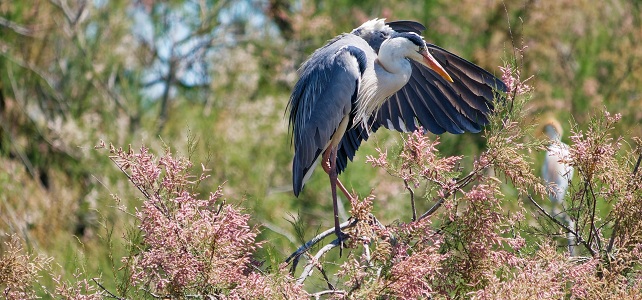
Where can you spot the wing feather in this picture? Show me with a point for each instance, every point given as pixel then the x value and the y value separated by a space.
pixel 428 100
pixel 321 99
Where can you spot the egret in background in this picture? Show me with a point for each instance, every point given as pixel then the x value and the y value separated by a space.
pixel 558 173
pixel 380 74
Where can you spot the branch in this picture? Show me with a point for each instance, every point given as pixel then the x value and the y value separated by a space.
pixel 307 271
pixel 111 295
pixel 296 254
pixel 578 237
pixel 17 28
pixel 594 234
pixel 328 292
pixel 462 182
pixel 432 209
pixel 412 200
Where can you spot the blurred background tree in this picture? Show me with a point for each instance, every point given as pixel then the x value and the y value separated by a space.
pixel 212 79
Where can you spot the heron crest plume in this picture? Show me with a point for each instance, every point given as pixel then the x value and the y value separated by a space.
pixel 373 26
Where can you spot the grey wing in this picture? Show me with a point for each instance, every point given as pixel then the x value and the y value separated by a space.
pixel 429 101
pixel 322 98
pixel 438 105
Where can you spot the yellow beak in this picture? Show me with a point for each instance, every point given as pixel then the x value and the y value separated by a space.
pixel 433 64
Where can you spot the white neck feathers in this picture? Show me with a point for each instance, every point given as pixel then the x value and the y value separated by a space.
pixel 383 78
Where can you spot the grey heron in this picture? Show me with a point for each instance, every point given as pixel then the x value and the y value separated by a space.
pixel 557 174
pixel 380 74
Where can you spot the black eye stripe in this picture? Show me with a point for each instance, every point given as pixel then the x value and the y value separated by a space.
pixel 413 37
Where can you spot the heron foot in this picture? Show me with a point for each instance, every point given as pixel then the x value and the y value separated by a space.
pixel 342 237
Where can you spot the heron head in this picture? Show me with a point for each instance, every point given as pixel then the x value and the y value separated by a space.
pixel 551 128
pixel 421 54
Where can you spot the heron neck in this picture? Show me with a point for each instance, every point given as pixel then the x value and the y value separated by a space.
pixel 552 133
pixel 387 75
pixel 392 58
pixel 392 68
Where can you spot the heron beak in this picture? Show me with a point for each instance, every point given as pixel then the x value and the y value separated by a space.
pixel 430 62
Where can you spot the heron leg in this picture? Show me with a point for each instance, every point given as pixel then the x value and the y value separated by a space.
pixel 572 249
pixel 326 167
pixel 333 185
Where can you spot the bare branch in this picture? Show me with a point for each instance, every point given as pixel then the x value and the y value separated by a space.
pixel 578 237
pixel 17 28
pixel 110 294
pixel 296 254
pixel 412 200
pixel 318 295
pixel 307 271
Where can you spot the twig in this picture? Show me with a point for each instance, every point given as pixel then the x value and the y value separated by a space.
pixel 276 229
pixel 616 226
pixel 154 295
pixel 412 200
pixel 111 295
pixel 578 237
pixel 637 165
pixel 432 209
pixel 462 182
pixel 594 235
pixel 17 28
pixel 307 271
pixel 325 276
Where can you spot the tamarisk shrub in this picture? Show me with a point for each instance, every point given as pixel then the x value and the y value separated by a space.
pixel 192 246
pixel 19 271
pixel 479 241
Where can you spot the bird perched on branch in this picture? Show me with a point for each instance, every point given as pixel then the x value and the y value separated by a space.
pixel 380 74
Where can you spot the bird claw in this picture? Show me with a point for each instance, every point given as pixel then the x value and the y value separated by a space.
pixel 341 238
pixel 326 166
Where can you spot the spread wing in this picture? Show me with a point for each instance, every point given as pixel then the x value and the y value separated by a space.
pixel 440 106
pixel 428 100
pixel 322 98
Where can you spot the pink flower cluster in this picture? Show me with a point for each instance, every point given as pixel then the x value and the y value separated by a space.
pixel 545 275
pixel 514 85
pixel 417 261
pixel 80 289
pixel 191 245
pixel 419 160
pixel 594 154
